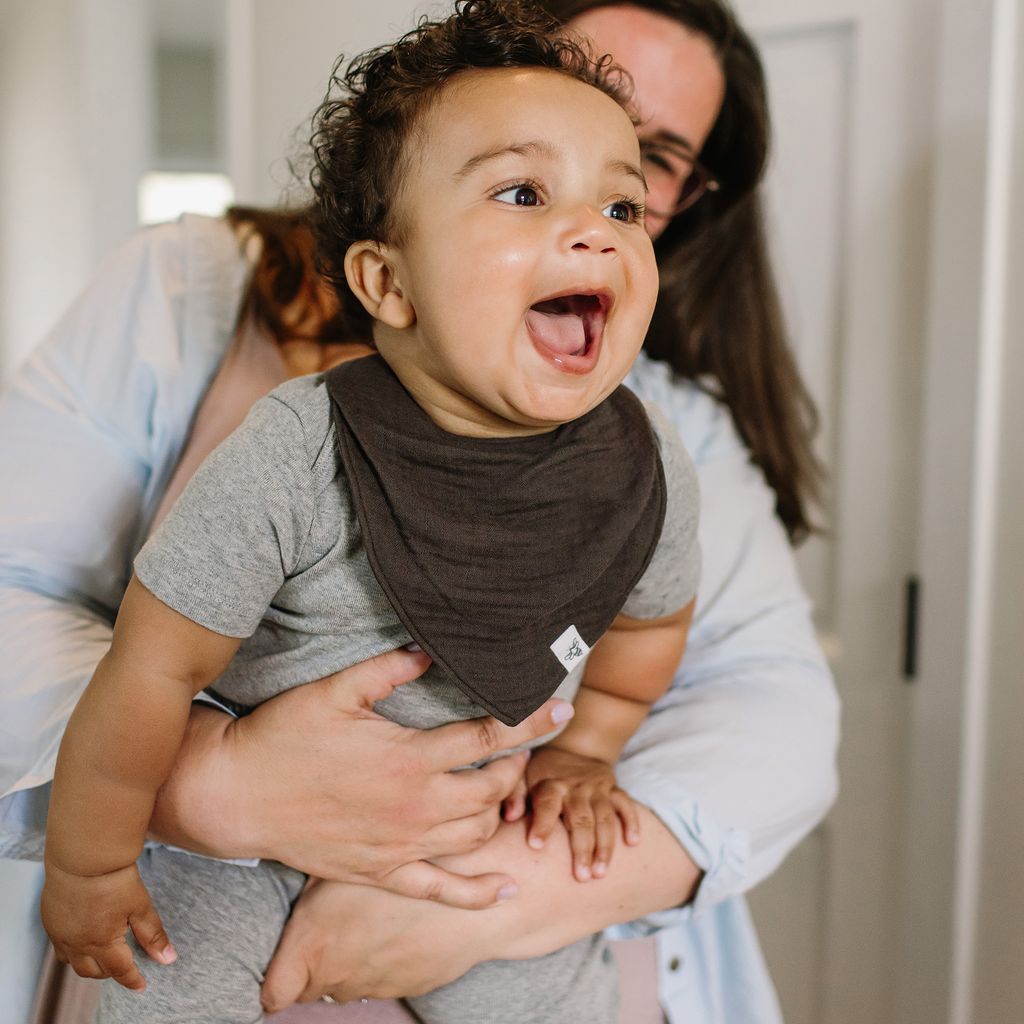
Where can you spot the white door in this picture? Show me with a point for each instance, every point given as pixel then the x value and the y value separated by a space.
pixel 848 201
pixel 852 91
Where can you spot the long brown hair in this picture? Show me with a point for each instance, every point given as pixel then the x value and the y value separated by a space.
pixel 282 291
pixel 718 315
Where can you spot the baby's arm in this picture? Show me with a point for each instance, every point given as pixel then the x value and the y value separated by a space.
pixel 117 750
pixel 573 776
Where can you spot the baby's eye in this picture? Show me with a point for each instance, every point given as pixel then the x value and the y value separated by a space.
pixel 518 195
pixel 623 210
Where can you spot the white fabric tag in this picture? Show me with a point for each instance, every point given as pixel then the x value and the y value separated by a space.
pixel 570 649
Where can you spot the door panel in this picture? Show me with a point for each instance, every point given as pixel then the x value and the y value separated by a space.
pixel 847 213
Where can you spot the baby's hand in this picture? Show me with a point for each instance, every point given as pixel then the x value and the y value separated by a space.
pixel 582 791
pixel 86 917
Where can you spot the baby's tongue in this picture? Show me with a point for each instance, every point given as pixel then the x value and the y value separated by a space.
pixel 561 332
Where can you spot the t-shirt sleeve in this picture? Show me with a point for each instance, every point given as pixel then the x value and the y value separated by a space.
pixel 238 528
pixel 670 580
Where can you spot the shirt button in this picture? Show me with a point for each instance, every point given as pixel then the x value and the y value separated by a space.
pixel 674 964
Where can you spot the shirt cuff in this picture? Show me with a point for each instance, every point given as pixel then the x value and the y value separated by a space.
pixel 721 852
pixel 242 862
pixel 202 697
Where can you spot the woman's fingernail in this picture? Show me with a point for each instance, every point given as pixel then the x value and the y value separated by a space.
pixel 414 647
pixel 583 873
pixel 536 842
pixel 599 869
pixel 168 954
pixel 562 713
pixel 506 892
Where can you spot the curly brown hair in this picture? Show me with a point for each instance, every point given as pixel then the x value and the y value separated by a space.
pixel 374 107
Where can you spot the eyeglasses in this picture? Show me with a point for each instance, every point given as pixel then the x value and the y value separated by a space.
pixel 676 179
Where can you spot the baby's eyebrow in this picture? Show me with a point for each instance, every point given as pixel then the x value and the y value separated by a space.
pixel 544 149
pixel 625 167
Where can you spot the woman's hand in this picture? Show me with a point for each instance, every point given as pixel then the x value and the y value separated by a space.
pixel 356 942
pixel 323 948
pixel 315 779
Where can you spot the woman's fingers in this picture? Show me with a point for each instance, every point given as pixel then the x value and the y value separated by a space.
pixel 453 746
pixel 307 799
pixel 466 793
pixel 287 979
pixel 515 803
pixel 462 835
pixel 424 881
pixel 358 687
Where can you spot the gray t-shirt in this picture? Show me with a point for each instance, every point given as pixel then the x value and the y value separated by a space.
pixel 264 544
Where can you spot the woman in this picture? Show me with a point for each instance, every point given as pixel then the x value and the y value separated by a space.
pixel 736 764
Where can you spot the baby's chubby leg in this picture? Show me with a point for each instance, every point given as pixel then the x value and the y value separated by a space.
pixel 575 984
pixel 225 922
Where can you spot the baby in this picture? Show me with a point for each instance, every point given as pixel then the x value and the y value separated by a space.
pixel 482 486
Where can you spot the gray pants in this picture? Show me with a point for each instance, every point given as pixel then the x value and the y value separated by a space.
pixel 225 922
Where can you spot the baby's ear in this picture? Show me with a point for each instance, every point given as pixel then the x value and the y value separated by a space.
pixel 370 272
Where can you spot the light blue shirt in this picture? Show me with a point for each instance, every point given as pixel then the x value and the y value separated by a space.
pixel 738 759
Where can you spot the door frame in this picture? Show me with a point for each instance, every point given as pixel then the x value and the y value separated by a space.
pixel 876 484
pixel 961 444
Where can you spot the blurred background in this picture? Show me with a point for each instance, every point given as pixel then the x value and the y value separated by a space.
pixel 899 242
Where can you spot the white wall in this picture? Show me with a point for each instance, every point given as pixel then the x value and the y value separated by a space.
pixel 74 104
pixel 74 108
pixel 44 243
pixel 288 70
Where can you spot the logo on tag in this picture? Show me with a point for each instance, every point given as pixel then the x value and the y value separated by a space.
pixel 570 649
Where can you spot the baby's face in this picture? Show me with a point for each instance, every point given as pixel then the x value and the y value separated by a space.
pixel 523 253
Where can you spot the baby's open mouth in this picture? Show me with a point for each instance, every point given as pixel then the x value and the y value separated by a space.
pixel 568 325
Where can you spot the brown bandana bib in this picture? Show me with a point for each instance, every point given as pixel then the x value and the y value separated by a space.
pixel 504 558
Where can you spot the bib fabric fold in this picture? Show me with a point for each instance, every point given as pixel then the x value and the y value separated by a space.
pixel 491 550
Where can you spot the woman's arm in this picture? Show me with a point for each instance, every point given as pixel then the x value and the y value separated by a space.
pixel 89 426
pixel 404 947
pixel 739 758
